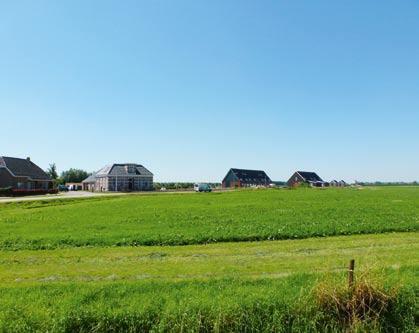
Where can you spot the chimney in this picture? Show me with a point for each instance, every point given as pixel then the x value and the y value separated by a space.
pixel 28 159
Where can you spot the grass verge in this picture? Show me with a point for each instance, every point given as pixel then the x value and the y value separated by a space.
pixel 281 305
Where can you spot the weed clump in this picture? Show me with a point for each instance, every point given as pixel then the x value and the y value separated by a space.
pixel 368 305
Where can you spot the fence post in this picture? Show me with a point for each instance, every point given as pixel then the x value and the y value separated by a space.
pixel 351 273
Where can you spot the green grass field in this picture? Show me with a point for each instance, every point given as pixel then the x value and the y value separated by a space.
pixel 71 265
pixel 267 259
pixel 207 218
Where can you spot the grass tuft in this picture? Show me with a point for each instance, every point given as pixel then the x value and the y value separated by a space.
pixel 368 305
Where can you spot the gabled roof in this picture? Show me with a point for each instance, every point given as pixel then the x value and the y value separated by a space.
pixel 251 175
pixel 22 167
pixel 105 170
pixel 123 169
pixel 310 176
pixel 90 179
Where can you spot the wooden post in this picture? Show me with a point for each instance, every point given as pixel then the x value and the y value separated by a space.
pixel 351 273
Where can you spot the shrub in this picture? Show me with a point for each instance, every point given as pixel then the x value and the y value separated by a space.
pixel 5 192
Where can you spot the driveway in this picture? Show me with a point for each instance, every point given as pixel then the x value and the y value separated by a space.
pixel 85 194
pixel 61 195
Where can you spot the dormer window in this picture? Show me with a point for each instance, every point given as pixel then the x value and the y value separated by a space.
pixel 130 168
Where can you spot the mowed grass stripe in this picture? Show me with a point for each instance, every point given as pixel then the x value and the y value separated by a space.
pixel 207 218
pixel 227 260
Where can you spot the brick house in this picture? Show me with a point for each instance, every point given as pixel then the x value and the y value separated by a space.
pixel 310 178
pixel 21 174
pixel 245 178
pixel 127 177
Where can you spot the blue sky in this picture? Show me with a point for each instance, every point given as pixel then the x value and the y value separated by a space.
pixel 192 88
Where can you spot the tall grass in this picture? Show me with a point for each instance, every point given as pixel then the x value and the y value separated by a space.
pixel 368 305
pixel 286 305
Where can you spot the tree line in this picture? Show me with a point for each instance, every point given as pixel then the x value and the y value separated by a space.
pixel 71 175
pixel 379 183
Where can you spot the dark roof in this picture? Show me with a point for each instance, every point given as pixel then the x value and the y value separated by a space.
pixel 251 175
pixel 126 169
pixel 23 167
pixel 310 176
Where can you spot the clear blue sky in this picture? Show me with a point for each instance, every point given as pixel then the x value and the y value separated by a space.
pixel 192 88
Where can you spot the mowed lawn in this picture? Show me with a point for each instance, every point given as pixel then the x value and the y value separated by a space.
pixel 396 252
pixel 180 219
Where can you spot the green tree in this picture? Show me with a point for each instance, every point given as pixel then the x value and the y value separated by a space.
pixel 74 175
pixel 52 171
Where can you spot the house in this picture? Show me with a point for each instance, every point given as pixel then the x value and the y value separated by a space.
pixel 126 177
pixel 22 175
pixel 342 183
pixel 334 183
pixel 89 183
pixel 245 178
pixel 310 178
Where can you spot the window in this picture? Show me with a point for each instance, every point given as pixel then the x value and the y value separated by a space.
pixel 130 168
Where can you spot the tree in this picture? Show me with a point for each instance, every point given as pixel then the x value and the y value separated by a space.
pixel 74 175
pixel 52 171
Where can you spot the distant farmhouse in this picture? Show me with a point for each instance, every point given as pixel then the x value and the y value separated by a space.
pixel 128 177
pixel 335 183
pixel 310 178
pixel 342 183
pixel 22 175
pixel 245 178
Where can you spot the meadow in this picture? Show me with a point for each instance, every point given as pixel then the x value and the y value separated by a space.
pixel 242 261
pixel 180 219
pixel 266 286
pixel 267 259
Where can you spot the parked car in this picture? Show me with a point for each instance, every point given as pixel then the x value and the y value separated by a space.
pixel 62 188
pixel 163 189
pixel 202 187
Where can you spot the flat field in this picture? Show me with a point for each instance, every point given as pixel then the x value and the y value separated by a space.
pixel 179 219
pixel 253 286
pixel 120 264
pixel 265 259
